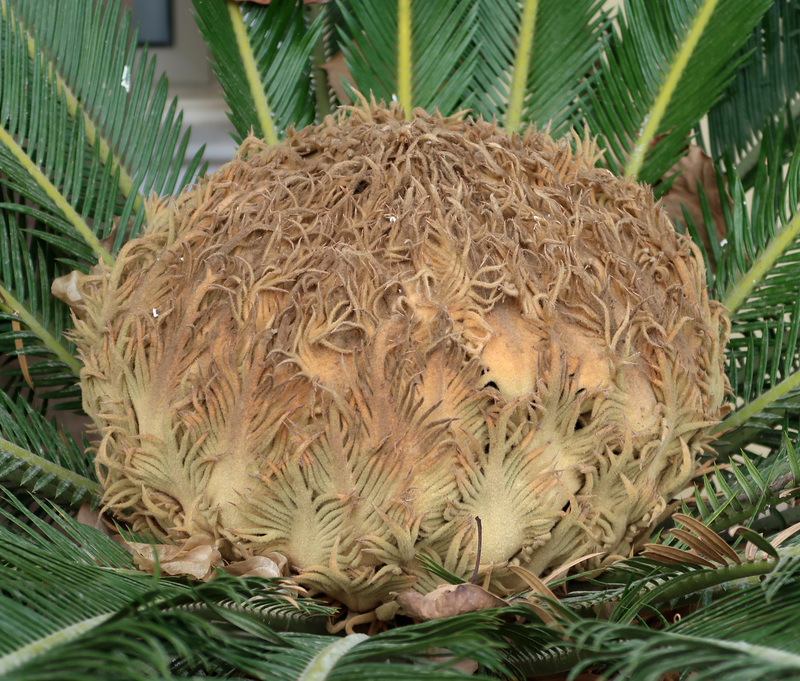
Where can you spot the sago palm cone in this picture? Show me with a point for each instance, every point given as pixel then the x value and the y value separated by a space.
pixel 347 347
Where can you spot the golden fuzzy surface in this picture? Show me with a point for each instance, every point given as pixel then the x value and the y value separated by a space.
pixel 347 347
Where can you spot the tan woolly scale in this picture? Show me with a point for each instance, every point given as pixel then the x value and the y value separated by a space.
pixel 347 347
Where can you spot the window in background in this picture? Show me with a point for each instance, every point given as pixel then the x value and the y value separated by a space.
pixel 155 21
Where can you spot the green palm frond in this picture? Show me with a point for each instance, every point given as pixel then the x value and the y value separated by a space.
pixel 563 43
pixel 168 628
pixel 663 67
pixel 132 621
pixel 639 586
pixel 756 277
pixel 637 590
pixel 38 595
pixel 742 637
pixel 497 33
pixel 35 454
pixel 402 653
pixel 121 142
pixel 262 58
pixel 754 272
pixel 27 271
pixel 527 62
pixel 24 468
pixel 49 528
pixel 767 80
pixel 373 68
pixel 751 489
pixel 759 235
pixel 466 638
pixel 85 139
pixel 395 51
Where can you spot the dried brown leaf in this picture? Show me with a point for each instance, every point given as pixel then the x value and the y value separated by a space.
pixel 66 289
pixel 696 166
pixel 22 359
pixel 197 557
pixel 698 546
pixel 567 566
pixel 672 556
pixel 781 537
pixel 94 518
pixel 545 615
pixel 448 600
pixel 533 582
pixel 712 542
pixel 272 565
pixel 336 68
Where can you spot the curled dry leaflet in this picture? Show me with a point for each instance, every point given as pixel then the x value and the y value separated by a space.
pixel 529 341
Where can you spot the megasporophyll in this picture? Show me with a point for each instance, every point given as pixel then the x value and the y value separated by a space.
pixel 346 347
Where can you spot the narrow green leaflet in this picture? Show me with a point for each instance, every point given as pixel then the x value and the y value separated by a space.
pixel 262 58
pixel 320 666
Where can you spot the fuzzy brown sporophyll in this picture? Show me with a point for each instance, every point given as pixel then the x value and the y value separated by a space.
pixel 346 347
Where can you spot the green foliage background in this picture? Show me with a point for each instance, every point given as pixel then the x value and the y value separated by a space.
pixel 87 135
